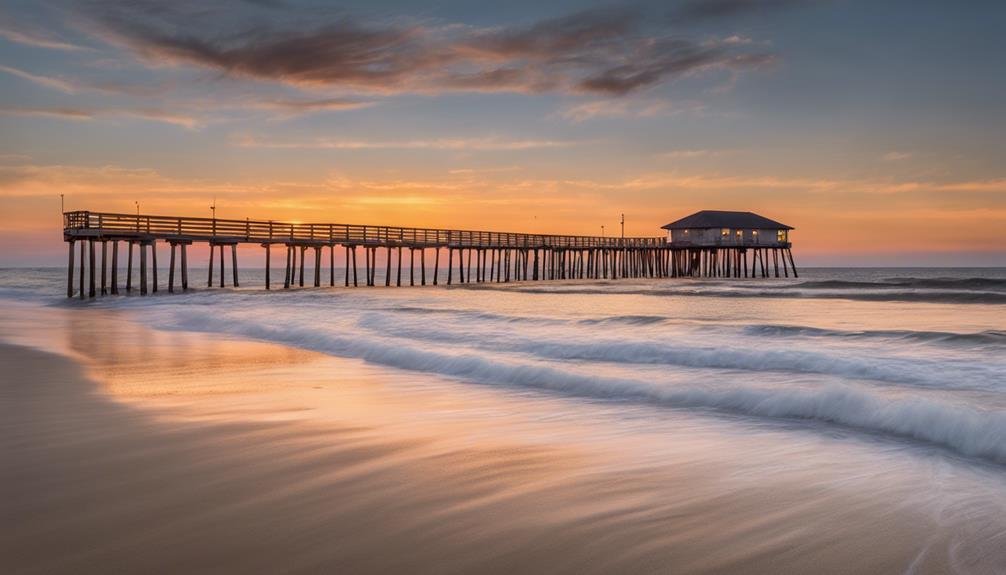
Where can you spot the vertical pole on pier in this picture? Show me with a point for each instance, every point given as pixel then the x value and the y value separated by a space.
pixel 422 265
pixel 412 266
pixel 461 265
pixel 234 265
pixel 209 281
pixel 69 269
pixel 171 269
pixel 355 284
pixel 792 264
pixel 436 265
pixel 286 274
pixel 303 253
pixel 143 268
pixel 104 267
pixel 82 266
pixel 153 266
pixel 90 268
pixel 115 267
pixel 129 268
pixel 221 265
pixel 331 266
pixel 398 281
pixel 775 260
pixel 450 264
pixel 492 263
pixel 387 268
pixel 347 266
pixel 317 266
pixel 468 269
pixel 185 268
pixel 268 253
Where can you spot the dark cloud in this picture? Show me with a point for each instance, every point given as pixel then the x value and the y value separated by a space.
pixel 602 51
pixel 716 9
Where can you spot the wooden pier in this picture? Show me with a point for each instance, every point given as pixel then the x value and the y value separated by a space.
pixel 469 256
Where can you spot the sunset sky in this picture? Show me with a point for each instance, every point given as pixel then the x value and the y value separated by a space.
pixel 874 128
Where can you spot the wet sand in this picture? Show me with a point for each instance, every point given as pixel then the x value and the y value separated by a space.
pixel 250 457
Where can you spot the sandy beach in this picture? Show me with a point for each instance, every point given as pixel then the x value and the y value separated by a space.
pixel 142 450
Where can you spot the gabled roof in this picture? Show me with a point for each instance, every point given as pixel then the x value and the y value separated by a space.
pixel 707 219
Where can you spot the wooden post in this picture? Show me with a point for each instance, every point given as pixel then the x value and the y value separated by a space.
pixel 450 264
pixel 234 265
pixel 268 252
pixel 143 268
pixel 115 267
pixel 185 268
pixel 104 261
pixel 775 260
pixel 331 266
pixel 412 266
pixel 69 270
pixel 398 281
pixel 90 268
pixel 289 267
pixel 422 264
pixel 221 265
pixel 129 268
pixel 317 266
pixel 347 265
pixel 387 268
pixel 153 266
pixel 354 267
pixel 436 265
pixel 303 254
pixel 792 264
pixel 209 281
pixel 171 269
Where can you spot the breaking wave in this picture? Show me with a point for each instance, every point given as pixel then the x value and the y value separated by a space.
pixel 968 431
pixel 988 337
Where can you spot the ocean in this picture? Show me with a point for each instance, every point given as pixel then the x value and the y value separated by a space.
pixel 849 420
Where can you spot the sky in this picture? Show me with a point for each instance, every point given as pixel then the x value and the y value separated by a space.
pixel 873 128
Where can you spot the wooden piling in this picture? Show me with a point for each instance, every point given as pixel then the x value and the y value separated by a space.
pixel 422 265
pixel 104 260
pixel 185 267
pixel 129 268
pixel 268 267
pixel 221 265
pixel 143 268
pixel 69 270
pixel 171 269
pixel 317 266
pixel 153 266
pixel 234 265
pixel 436 265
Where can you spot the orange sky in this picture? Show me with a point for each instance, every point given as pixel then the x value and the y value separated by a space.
pixel 479 121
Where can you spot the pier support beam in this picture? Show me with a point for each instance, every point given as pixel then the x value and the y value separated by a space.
pixel 104 267
pixel 268 266
pixel 143 268
pixel 234 264
pixel 185 268
pixel 171 268
pixel 69 270
pixel 129 268
pixel 153 266
pixel 115 267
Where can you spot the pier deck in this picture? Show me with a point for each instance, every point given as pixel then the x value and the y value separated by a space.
pixel 499 256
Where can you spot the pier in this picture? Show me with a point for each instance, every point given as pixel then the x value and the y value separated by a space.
pixel 468 256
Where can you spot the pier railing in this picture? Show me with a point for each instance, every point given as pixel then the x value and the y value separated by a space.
pixel 84 224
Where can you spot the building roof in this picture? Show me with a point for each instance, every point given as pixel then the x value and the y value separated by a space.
pixel 707 219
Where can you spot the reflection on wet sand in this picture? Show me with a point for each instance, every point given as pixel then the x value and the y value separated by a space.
pixel 191 452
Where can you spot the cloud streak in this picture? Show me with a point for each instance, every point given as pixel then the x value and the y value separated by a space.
pixel 607 52
pixel 450 144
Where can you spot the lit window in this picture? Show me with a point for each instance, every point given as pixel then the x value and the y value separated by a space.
pixel 781 235
pixel 740 234
pixel 725 232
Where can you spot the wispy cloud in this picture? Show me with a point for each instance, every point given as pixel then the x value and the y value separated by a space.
pixel 622 108
pixel 37 40
pixel 456 144
pixel 896 156
pixel 296 107
pixel 63 113
pixel 607 52
pixel 47 81
pixel 151 114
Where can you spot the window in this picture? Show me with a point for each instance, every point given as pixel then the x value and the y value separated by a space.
pixel 740 234
pixel 781 235
pixel 725 232
pixel 754 236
